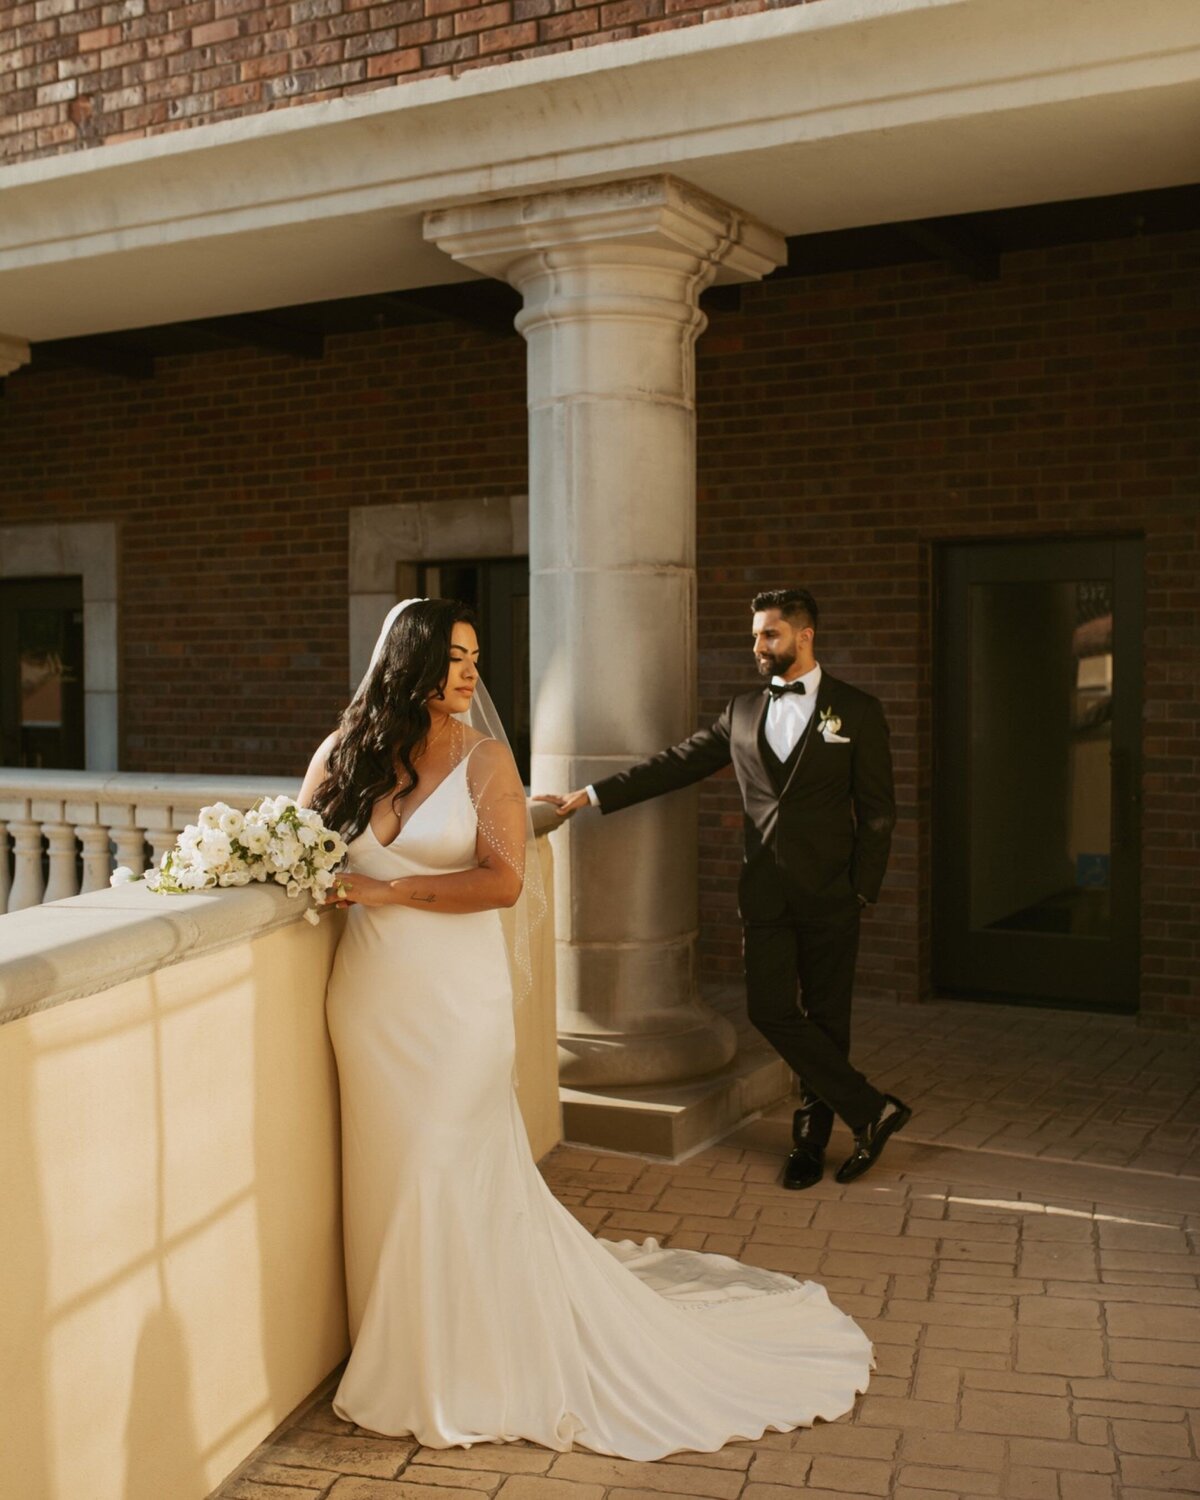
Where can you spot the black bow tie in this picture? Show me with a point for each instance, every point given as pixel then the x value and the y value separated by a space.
pixel 778 689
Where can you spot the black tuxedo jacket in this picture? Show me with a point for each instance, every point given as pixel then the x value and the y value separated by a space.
pixel 819 839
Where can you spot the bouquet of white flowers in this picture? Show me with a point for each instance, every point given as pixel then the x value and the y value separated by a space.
pixel 276 840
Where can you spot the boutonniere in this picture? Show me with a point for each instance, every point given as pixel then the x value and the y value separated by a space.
pixel 829 726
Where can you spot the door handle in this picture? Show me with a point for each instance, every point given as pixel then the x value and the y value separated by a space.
pixel 1125 799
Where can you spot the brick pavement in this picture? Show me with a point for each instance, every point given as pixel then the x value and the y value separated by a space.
pixel 1036 1324
pixel 1064 1085
pixel 1026 1080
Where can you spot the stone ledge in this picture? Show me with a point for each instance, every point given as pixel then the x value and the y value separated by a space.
pixel 67 949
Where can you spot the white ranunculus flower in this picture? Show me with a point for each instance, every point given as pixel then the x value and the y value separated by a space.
pixel 256 837
pixel 189 838
pixel 232 822
pixel 287 849
pixel 122 875
pixel 215 847
pixel 209 818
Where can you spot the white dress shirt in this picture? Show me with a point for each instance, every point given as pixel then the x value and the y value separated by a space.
pixel 788 715
pixel 786 719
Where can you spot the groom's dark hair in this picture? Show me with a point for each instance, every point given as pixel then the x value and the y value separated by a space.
pixel 792 604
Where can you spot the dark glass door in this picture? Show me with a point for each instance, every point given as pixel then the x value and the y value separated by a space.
pixel 1036 771
pixel 41 673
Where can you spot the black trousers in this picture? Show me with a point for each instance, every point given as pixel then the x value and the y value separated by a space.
pixel 799 981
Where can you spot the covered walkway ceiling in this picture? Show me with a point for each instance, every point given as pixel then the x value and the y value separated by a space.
pixel 811 119
pixel 972 245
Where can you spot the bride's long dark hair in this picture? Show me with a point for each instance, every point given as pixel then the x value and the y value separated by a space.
pixel 388 721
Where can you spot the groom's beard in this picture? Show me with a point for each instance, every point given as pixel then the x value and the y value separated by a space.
pixel 779 665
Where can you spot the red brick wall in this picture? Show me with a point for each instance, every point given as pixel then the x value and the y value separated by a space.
pixel 82 72
pixel 847 424
pixel 230 475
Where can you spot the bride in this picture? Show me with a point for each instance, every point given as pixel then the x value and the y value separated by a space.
pixel 480 1309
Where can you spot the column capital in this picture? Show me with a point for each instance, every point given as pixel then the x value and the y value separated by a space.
pixel 13 354
pixel 508 238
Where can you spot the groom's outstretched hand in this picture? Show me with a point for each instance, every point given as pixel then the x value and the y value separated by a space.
pixel 565 805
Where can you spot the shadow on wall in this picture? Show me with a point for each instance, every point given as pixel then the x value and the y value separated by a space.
pixel 171 1238
pixel 162 1447
pixel 292 1042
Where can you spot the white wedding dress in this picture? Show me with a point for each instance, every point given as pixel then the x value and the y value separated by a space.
pixel 480 1309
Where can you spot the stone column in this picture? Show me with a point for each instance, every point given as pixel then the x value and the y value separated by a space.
pixel 13 354
pixel 611 278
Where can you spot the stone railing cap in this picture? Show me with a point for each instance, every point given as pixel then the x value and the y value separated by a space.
pixel 66 949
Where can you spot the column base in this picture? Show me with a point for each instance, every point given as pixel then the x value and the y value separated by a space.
pixel 701 1042
pixel 674 1120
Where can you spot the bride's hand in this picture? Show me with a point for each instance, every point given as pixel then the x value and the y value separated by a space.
pixel 360 890
pixel 572 802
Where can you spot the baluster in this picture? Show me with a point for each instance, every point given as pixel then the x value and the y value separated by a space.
pixel 4 877
pixel 60 838
pixel 130 843
pixel 160 841
pixel 27 874
pixel 97 866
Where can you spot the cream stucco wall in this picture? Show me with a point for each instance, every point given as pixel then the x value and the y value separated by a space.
pixel 169 1177
pixel 171 1235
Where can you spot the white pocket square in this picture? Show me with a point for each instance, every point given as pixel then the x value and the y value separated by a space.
pixel 834 739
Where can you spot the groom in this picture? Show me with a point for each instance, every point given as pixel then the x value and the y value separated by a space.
pixel 811 757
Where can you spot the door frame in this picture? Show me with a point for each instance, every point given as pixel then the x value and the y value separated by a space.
pixel 1101 974
pixel 86 549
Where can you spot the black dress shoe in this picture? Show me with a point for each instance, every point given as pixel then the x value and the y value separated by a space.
pixel 804 1167
pixel 870 1141
pixel 811 1125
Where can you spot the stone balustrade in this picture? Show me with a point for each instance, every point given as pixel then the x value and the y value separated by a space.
pixel 70 829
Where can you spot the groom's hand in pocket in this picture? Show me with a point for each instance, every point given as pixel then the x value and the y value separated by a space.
pixel 565 805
